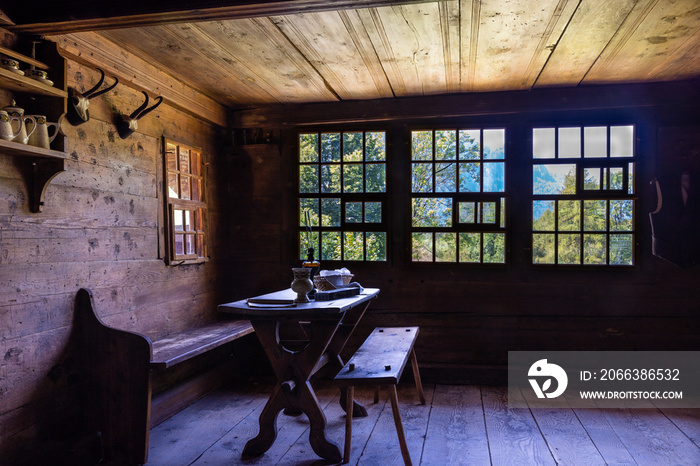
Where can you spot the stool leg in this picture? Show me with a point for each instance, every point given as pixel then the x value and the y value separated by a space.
pixel 348 424
pixel 416 376
pixel 399 426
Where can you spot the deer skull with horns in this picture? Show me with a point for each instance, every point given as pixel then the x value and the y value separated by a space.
pixel 78 108
pixel 126 125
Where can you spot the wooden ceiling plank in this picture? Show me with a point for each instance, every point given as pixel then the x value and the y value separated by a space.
pixel 653 31
pixel 590 30
pixel 94 50
pixel 180 57
pixel 262 47
pixel 328 46
pixel 469 21
pixel 416 47
pixel 372 23
pixel 76 16
pixel 450 27
pixel 515 41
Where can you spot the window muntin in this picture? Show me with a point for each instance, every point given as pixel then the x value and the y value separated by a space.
pixel 458 195
pixel 186 207
pixel 343 195
pixel 583 195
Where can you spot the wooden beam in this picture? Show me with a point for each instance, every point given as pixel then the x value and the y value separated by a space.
pixel 91 49
pixel 82 15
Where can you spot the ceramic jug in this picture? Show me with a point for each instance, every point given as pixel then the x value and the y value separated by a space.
pixel 22 136
pixel 40 137
pixel 6 131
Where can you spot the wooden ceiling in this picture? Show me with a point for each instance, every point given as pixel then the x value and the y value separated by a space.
pixel 423 48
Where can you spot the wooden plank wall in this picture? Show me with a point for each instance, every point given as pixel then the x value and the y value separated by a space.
pixel 100 230
pixel 470 317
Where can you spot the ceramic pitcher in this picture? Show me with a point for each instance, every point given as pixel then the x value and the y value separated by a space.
pixel 22 136
pixel 40 137
pixel 7 132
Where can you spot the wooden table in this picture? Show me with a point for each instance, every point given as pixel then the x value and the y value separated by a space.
pixel 328 325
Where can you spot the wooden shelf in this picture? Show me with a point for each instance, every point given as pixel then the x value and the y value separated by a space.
pixel 39 166
pixel 15 82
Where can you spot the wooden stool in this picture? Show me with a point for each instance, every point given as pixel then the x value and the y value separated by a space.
pixel 380 361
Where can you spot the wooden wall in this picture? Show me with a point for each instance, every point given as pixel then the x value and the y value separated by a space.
pixel 99 229
pixel 471 317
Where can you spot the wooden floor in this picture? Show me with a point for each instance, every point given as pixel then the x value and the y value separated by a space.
pixel 459 425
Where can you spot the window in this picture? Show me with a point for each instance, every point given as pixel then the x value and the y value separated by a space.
pixel 458 202
pixel 583 195
pixel 185 204
pixel 343 195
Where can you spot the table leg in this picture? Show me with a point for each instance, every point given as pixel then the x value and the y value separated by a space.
pixel 293 370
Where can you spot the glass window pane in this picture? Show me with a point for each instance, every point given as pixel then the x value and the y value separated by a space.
pixel 179 244
pixel 621 141
pixel 569 143
pixel 309 205
pixel 467 212
pixel 494 248
pixel 445 247
pixel 554 179
pixel 543 215
pixel 375 177
pixel 308 179
pixel 621 214
pixel 591 178
pixel 184 187
pixel 195 163
pixel 200 246
pixel 422 179
pixel 330 178
pixel 594 215
pixel 178 220
pixel 184 160
pixel 488 212
pixel 331 245
pixel 307 240
pixel 373 212
pixel 470 177
pixel 469 144
pixel 196 190
pixel 630 178
pixel 594 249
pixel 173 186
pixel 432 212
pixel 352 178
pixel 543 248
pixel 446 145
pixel 422 247
pixel 330 147
pixel 171 156
pixel 421 145
pixel 595 141
pixel 494 144
pixel 353 212
pixel 569 251
pixel 353 245
pixel 187 220
pixel 470 247
pixel 446 177
pixel 375 147
pixel 569 216
pixel 308 148
pixel 503 212
pixel 543 146
pixel 352 147
pixel 376 246
pixel 621 249
pixel 189 244
pixel 330 212
pixel 494 177
pixel 616 178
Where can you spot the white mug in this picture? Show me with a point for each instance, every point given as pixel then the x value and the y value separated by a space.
pixel 7 132
pixel 40 137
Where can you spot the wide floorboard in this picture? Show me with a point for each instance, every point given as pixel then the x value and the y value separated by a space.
pixel 459 425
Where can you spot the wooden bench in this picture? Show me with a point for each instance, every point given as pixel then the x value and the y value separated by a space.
pixel 380 362
pixel 119 367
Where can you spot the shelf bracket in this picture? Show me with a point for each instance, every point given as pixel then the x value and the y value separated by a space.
pixel 38 173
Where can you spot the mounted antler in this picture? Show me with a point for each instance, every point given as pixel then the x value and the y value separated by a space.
pixel 78 110
pixel 126 125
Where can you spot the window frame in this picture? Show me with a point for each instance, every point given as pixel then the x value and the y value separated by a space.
pixel 199 231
